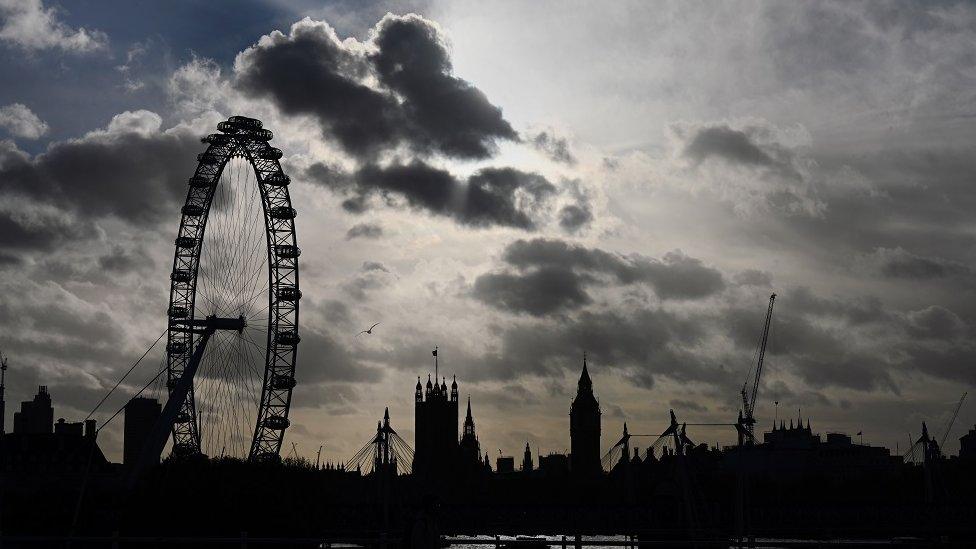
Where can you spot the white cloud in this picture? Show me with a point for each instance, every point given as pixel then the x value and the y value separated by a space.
pixel 20 121
pixel 30 26
pixel 142 122
pixel 196 87
pixel 132 57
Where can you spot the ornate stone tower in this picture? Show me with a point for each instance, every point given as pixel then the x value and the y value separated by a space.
pixel 470 449
pixel 584 428
pixel 435 427
pixel 527 466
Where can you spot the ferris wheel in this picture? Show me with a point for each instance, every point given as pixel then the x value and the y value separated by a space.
pixel 233 309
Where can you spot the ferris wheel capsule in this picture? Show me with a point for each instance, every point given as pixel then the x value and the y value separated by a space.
pixel 288 251
pixel 200 182
pixel 277 179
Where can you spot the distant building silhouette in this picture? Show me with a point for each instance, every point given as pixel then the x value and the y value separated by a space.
pixel 527 459
pixel 435 427
pixel 35 416
pixel 140 417
pixel 795 449
pixel 967 445
pixel 584 428
pixel 62 427
pixel 554 465
pixel 38 445
pixel 505 464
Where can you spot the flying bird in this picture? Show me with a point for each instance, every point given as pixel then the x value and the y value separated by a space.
pixel 369 331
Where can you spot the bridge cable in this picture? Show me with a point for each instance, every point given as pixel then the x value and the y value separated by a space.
pixel 100 402
pixel 144 387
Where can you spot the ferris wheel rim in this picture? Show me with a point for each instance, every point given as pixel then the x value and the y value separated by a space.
pixel 243 138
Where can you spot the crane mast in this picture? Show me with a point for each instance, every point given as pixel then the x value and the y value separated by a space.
pixel 945 433
pixel 748 422
pixel 3 402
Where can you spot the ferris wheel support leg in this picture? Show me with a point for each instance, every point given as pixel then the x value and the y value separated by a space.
pixel 156 441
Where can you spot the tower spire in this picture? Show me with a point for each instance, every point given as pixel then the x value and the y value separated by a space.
pixel 585 383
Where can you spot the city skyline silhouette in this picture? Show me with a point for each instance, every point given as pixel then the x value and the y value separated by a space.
pixel 626 254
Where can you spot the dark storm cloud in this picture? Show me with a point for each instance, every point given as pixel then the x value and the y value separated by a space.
pixel 121 261
pixel 125 172
pixel 506 397
pixel 738 147
pixel 25 230
pixel 726 143
pixel 55 334
pixel 688 405
pixel 753 277
pixel 899 263
pixel 492 196
pixel 8 260
pixel 311 72
pixel 818 40
pixel 899 215
pixel 364 230
pixel 950 362
pixel 827 342
pixel 322 358
pixel 855 310
pixel 552 275
pixel 374 266
pixel 780 391
pixel 640 344
pixel 575 217
pixel 556 148
pixel 539 292
pixel 935 322
pixel 856 343
pixel 372 275
pixel 862 372
pixel 453 117
pixel 334 398
pixel 416 100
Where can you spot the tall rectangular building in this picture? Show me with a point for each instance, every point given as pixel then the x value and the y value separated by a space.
pixel 140 417
pixel 35 416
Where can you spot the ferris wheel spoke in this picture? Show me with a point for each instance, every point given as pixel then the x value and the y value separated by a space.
pixel 254 358
pixel 243 402
pixel 251 283
pixel 223 375
pixel 250 300
pixel 260 352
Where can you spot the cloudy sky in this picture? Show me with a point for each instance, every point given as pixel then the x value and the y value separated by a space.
pixel 517 183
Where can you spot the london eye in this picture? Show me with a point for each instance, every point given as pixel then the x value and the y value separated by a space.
pixel 235 263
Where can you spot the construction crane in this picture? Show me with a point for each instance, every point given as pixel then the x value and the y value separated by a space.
pixel 948 427
pixel 747 419
pixel 932 449
pixel 3 403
